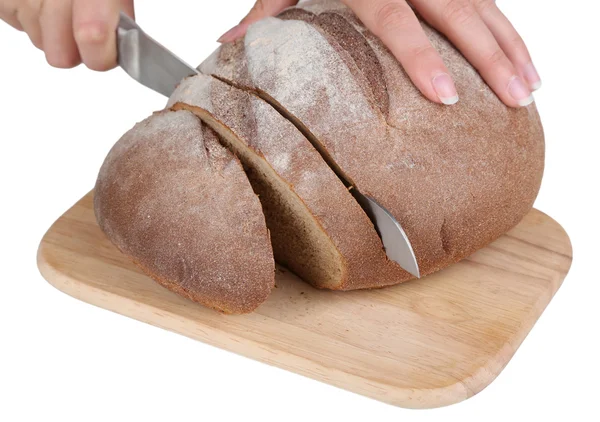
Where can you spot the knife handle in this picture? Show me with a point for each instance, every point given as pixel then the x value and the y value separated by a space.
pixel 147 61
pixel 128 55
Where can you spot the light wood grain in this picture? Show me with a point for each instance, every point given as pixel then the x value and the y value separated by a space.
pixel 427 343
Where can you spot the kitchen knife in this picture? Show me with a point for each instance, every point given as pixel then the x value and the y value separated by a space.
pixel 148 62
pixel 151 64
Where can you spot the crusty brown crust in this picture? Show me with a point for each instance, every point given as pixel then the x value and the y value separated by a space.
pixel 456 178
pixel 293 158
pixel 178 203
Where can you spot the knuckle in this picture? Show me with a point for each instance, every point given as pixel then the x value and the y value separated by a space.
pixel 29 4
pixel 497 57
pixel 423 51
pixel 61 60
pixel 44 10
pixel 36 40
pixel 517 43
pixel 259 7
pixel 391 16
pixel 100 65
pixel 9 14
pixel 32 7
pixel 92 33
pixel 517 49
pixel 458 12
pixel 483 5
pixel 21 14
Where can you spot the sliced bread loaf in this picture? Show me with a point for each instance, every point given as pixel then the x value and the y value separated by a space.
pixel 177 202
pixel 456 178
pixel 317 229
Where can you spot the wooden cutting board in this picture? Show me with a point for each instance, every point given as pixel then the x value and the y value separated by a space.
pixel 426 343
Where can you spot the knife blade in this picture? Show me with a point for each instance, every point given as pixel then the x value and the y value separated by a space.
pixel 151 64
pixel 395 241
pixel 148 62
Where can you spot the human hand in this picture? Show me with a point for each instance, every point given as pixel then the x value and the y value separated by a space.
pixel 476 27
pixel 70 32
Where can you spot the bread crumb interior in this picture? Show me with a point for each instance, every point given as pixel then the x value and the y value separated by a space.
pixel 299 242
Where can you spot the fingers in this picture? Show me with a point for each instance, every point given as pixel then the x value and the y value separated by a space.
pixel 94 25
pixel 261 9
pixel 8 13
pixel 27 15
pixel 56 23
pixel 394 22
pixel 510 41
pixel 70 31
pixel 462 24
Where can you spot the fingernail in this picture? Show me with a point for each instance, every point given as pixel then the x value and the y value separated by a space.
pixel 532 77
pixel 445 89
pixel 519 91
pixel 232 35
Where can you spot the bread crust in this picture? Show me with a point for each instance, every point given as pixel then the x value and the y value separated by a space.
pixel 456 177
pixel 179 204
pixel 273 138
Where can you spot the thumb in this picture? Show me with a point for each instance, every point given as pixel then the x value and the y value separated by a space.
pixel 260 10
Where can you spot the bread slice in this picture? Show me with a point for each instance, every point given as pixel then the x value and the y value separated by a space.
pixel 178 203
pixel 456 178
pixel 317 229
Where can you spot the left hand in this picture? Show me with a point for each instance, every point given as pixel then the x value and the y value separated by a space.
pixel 477 27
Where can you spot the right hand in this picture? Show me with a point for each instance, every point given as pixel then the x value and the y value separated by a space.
pixel 70 32
pixel 477 27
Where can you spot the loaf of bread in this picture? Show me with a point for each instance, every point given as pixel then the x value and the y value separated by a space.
pixel 303 101
pixel 317 228
pixel 456 178
pixel 177 202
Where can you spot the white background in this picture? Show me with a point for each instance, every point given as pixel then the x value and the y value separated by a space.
pixel 61 359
